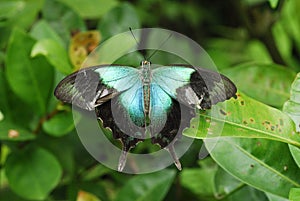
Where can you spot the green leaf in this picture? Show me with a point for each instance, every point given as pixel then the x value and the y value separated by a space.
pixel 294 194
pixel 295 151
pixel 252 161
pixel 13 132
pixel 26 12
pixel 30 78
pixel 268 83
pixel 35 169
pixel 226 184
pixel 247 118
pixel 42 30
pixel 59 125
pixel 292 108
pixel 54 53
pixel 90 8
pixel 190 178
pixel 273 3
pixel 65 157
pixel 272 197
pixel 248 194
pixel 62 19
pixel 10 8
pixel 118 20
pixel 146 187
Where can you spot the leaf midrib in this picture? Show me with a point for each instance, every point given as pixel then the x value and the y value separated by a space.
pixel 265 165
pixel 282 139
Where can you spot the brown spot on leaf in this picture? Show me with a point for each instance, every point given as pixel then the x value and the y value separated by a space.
pixel 223 112
pixel 207 120
pixel 13 133
pixel 245 122
pixel 252 166
pixel 272 128
pixel 251 120
pixel 281 122
pixel 242 103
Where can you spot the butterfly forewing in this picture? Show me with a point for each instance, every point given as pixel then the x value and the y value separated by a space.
pixel 194 87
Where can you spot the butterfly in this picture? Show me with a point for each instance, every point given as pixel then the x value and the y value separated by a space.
pixel 139 102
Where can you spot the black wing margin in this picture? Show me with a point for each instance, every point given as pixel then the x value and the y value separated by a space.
pixel 209 86
pixel 84 89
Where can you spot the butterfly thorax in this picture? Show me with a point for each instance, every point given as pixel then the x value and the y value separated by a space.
pixel 146 80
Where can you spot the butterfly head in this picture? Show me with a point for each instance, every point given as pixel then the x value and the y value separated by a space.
pixel 145 63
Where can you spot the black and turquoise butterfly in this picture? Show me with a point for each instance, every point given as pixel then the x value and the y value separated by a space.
pixel 133 102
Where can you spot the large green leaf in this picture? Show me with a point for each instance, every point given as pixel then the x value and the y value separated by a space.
pixel 294 194
pixel 292 108
pixel 13 132
pixel 30 78
pixel 247 118
pixel 226 184
pixel 90 8
pixel 10 8
pixel 295 151
pixel 146 187
pixel 272 197
pixel 55 54
pixel 62 19
pixel 257 162
pixel 21 13
pixel 247 193
pixel 61 124
pixel 273 3
pixel 32 173
pixel 13 127
pixel 43 30
pixel 268 83
pixel 124 16
pixel 200 181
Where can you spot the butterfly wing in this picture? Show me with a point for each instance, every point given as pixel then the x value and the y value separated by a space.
pixel 195 87
pixel 93 86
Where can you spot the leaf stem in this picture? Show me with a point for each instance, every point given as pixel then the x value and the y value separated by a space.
pixel 43 119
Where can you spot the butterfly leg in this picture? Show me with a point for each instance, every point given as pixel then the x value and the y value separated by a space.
pixel 122 160
pixel 172 152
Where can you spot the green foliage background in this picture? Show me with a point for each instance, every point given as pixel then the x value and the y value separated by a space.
pixel 256 43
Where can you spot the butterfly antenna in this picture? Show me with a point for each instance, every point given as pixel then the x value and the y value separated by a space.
pixel 160 46
pixel 135 40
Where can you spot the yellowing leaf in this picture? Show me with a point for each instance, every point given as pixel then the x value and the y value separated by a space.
pixel 81 45
pixel 85 196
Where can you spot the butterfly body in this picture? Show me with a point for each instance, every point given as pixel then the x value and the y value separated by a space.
pixel 133 102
